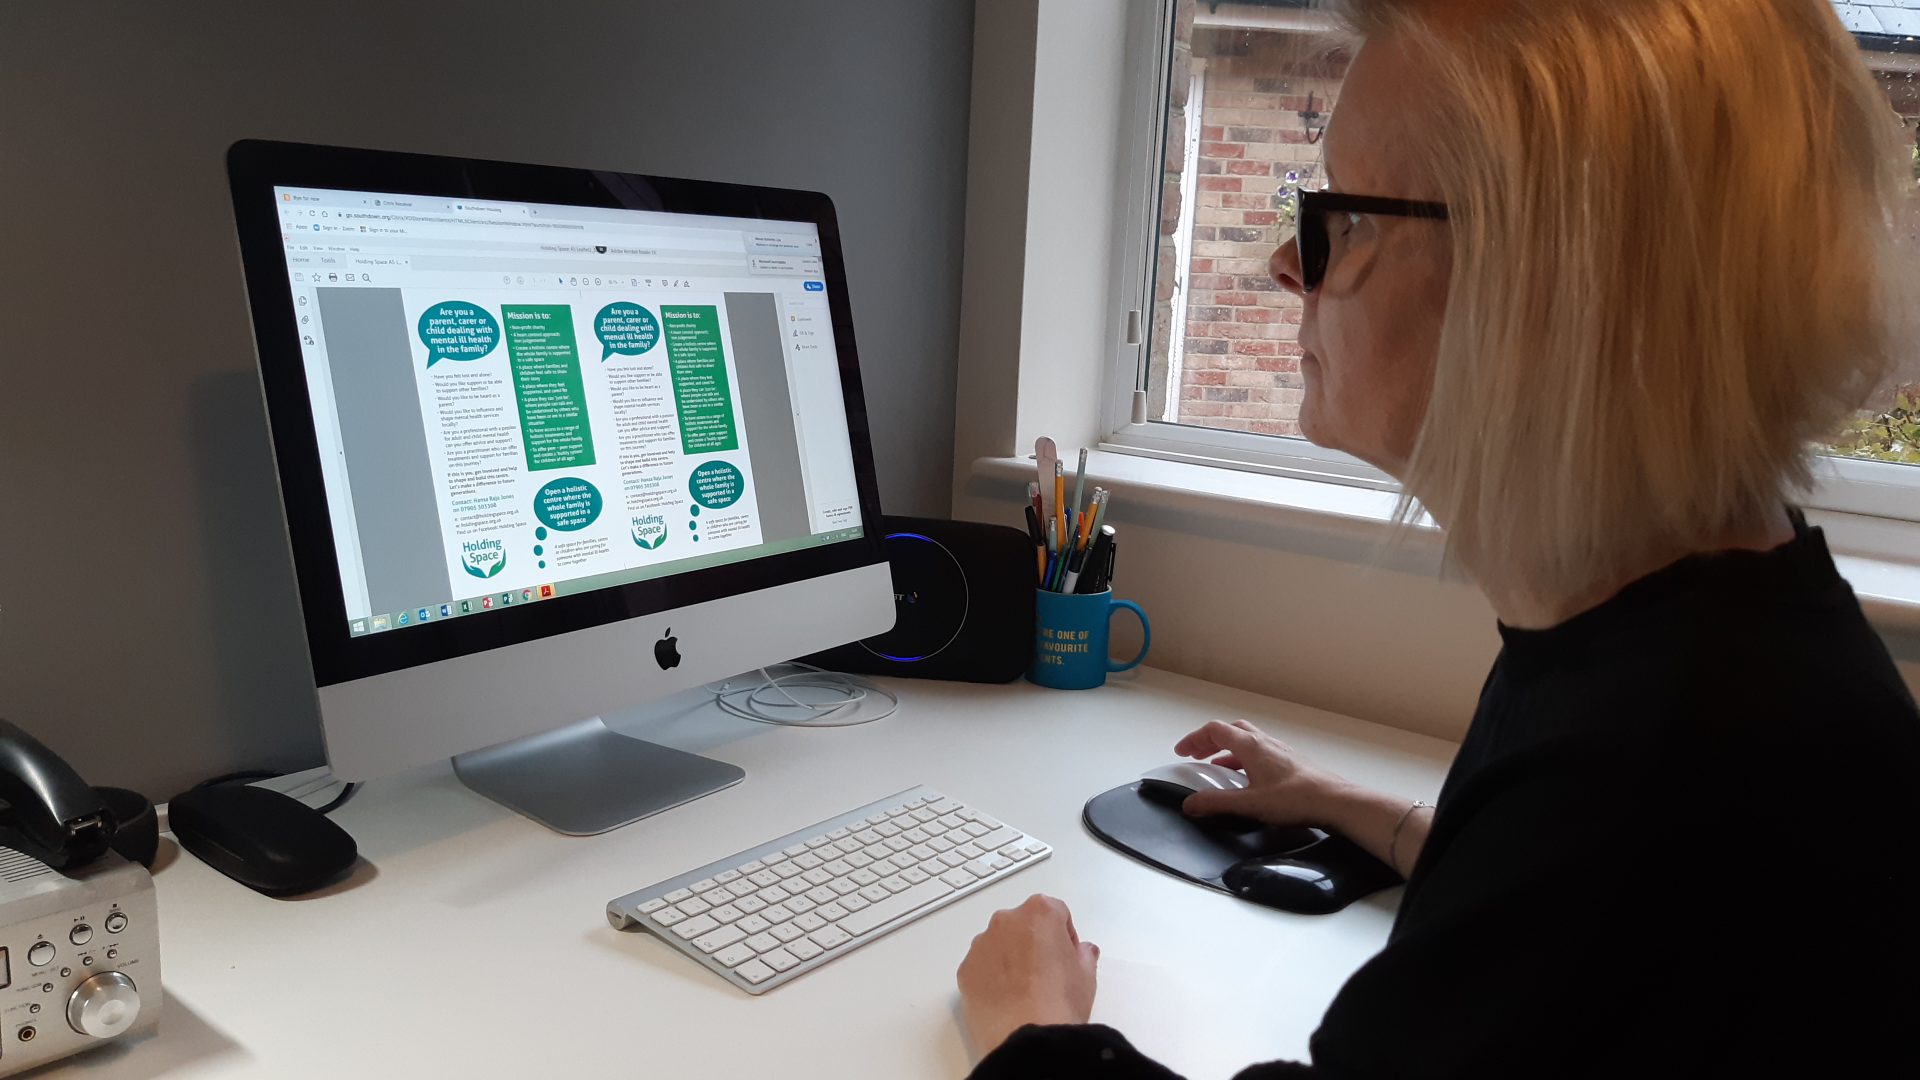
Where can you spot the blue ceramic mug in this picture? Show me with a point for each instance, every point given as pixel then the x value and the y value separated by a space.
pixel 1070 639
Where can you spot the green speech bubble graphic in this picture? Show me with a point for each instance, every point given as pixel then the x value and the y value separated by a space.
pixel 625 329
pixel 568 504
pixel 716 485
pixel 457 330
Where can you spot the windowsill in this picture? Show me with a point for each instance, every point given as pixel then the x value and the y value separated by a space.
pixel 1353 524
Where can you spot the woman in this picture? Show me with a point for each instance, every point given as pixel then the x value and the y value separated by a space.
pixel 1638 258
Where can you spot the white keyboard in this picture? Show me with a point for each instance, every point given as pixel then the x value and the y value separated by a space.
pixel 777 911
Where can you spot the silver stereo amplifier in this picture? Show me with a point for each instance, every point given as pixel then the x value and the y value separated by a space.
pixel 79 957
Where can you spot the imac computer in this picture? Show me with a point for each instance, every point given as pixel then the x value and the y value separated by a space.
pixel 552 442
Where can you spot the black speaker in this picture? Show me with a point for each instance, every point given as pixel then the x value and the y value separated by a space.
pixel 963 603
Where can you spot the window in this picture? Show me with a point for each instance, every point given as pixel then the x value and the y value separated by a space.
pixel 1246 99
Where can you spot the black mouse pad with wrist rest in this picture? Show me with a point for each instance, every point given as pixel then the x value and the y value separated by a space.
pixel 1297 869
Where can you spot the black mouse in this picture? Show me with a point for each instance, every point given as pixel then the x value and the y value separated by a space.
pixel 1317 880
pixel 260 838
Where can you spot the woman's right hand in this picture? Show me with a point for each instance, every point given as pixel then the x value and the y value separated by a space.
pixel 1282 787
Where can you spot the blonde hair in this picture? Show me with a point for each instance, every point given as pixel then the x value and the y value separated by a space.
pixel 1672 228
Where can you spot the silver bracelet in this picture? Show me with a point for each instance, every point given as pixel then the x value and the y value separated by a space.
pixel 1393 846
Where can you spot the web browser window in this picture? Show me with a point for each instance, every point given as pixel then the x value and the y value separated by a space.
pixel 515 402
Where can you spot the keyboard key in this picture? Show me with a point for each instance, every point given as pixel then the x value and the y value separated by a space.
pixel 859 859
pixel 959 879
pixel 998 862
pixel 998 838
pixel 754 924
pixel 830 937
pixel 668 916
pixel 924 814
pixel 886 829
pixel 855 902
pixel 787 932
pixel 1036 846
pixel 795 850
pixel 776 858
pixel 764 878
pixel 933 828
pixel 868 836
pixel 922 852
pixel 974 828
pixel 652 906
pixel 952 858
pixel 754 867
pixel 845 885
pixel 754 972
pixel 864 877
pixel 751 904
pixel 778 913
pixel 678 895
pixel 904 860
pixel 741 887
pixel 830 912
pixel 944 806
pixel 951 821
pixel 838 868
pixel 727 913
pixel 916 836
pixel 896 884
pixel 695 906
pixel 941 843
pixel 817 842
pixel 808 861
pixel 875 893
pixel 734 955
pixel 763 942
pixel 804 949
pixel 789 869
pixel 716 897
pixel 720 939
pixel 779 959
pixel 817 876
pixel 983 819
pixel 898 843
pixel 726 876
pixel 914 875
pixel 1015 852
pixel 822 895
pixel 810 921
pixel 703 885
pixel 885 911
pixel 971 851
pixel 775 895
pixel 800 905
pixel 979 868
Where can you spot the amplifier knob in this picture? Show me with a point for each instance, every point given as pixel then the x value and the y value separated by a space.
pixel 104 1006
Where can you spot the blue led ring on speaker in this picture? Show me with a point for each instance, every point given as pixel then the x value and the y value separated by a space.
pixel 966 600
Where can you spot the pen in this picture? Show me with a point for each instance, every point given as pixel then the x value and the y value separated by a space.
pixel 1080 481
pixel 1096 571
pixel 1059 502
pixel 1039 542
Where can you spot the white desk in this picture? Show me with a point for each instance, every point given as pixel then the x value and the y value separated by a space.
pixel 472 942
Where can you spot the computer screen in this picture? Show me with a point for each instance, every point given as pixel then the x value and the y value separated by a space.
pixel 514 402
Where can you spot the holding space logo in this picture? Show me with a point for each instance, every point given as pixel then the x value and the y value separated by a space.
pixel 649 531
pixel 483 558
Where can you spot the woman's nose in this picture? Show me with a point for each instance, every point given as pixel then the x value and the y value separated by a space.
pixel 1284 267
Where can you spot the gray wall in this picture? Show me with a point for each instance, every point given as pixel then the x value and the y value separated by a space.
pixel 147 628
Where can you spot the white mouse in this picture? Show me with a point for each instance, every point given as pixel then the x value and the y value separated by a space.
pixel 1186 777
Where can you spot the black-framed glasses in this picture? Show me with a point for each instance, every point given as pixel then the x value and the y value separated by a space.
pixel 1316 243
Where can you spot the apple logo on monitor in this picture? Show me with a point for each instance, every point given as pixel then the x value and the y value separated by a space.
pixel 666 651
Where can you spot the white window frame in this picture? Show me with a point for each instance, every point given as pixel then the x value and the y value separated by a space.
pixel 1854 486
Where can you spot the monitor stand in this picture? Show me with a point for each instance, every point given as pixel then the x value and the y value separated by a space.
pixel 586 778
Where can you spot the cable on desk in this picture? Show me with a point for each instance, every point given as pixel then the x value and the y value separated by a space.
pixel 751 701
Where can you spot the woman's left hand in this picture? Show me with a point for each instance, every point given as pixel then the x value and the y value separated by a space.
pixel 1029 967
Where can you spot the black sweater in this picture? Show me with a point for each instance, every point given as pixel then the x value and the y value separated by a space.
pixel 1680 839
